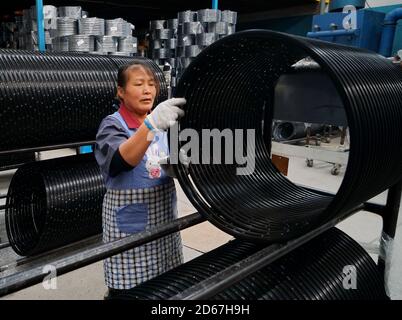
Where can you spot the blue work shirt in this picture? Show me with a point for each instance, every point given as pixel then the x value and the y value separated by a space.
pixel 114 130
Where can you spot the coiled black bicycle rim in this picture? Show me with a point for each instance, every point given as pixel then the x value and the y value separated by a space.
pixel 314 271
pixel 53 203
pixel 58 98
pixel 231 85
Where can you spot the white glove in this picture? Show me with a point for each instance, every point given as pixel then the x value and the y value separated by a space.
pixel 165 114
pixel 167 166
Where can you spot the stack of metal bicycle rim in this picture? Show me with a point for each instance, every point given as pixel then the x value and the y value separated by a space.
pixel 81 43
pixel 107 44
pixel 117 28
pixel 91 26
pixel 178 41
pixel 66 27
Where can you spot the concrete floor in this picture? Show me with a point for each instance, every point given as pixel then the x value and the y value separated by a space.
pixel 364 227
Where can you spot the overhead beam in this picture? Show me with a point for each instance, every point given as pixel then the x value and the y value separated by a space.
pixel 295 11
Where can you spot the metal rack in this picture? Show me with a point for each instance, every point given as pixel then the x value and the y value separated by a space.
pixel 29 271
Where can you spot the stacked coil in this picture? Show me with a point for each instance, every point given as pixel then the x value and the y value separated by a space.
pixel 206 39
pixel 66 27
pixel 60 44
pixel 178 41
pixel 81 43
pixel 186 16
pixel 229 17
pixel 230 86
pixel 198 30
pixel 117 28
pixel 107 44
pixel 128 45
pixel 58 98
pixel 91 26
pixel 314 271
pixel 49 12
pixel 209 15
pixel 173 24
pixel 192 28
pixel 163 35
pixel 219 28
pixel 74 12
pixel 54 202
pixel 120 53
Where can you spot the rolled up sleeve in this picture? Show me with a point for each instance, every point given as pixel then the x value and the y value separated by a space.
pixel 110 136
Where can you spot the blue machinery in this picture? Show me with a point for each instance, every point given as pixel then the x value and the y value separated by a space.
pixel 369 29
pixel 41 28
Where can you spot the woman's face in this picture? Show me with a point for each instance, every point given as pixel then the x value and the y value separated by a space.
pixel 139 93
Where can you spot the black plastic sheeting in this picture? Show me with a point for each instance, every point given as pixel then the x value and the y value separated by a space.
pixel 231 85
pixel 314 271
pixel 58 98
pixel 54 202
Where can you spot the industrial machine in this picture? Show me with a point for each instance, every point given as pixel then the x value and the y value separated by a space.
pixel 348 23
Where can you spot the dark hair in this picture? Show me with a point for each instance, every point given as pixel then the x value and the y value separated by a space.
pixel 122 75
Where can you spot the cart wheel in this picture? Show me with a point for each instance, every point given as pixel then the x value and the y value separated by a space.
pixel 335 169
pixel 310 162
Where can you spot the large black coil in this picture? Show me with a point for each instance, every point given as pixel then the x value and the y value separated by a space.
pixel 231 85
pixel 322 269
pixel 54 202
pixel 58 98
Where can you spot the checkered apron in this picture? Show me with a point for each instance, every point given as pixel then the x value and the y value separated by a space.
pixel 130 268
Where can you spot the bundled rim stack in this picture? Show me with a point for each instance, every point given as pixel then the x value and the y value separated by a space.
pixel 118 39
pixel 179 41
pixel 62 96
pixel 127 45
pixel 314 271
pixel 74 12
pixel 28 34
pixel 54 202
pixel 81 43
pixel 163 40
pixel 236 77
pixel 70 29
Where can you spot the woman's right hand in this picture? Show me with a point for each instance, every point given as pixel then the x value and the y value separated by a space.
pixel 165 114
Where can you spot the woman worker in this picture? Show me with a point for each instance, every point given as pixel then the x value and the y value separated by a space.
pixel 129 146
